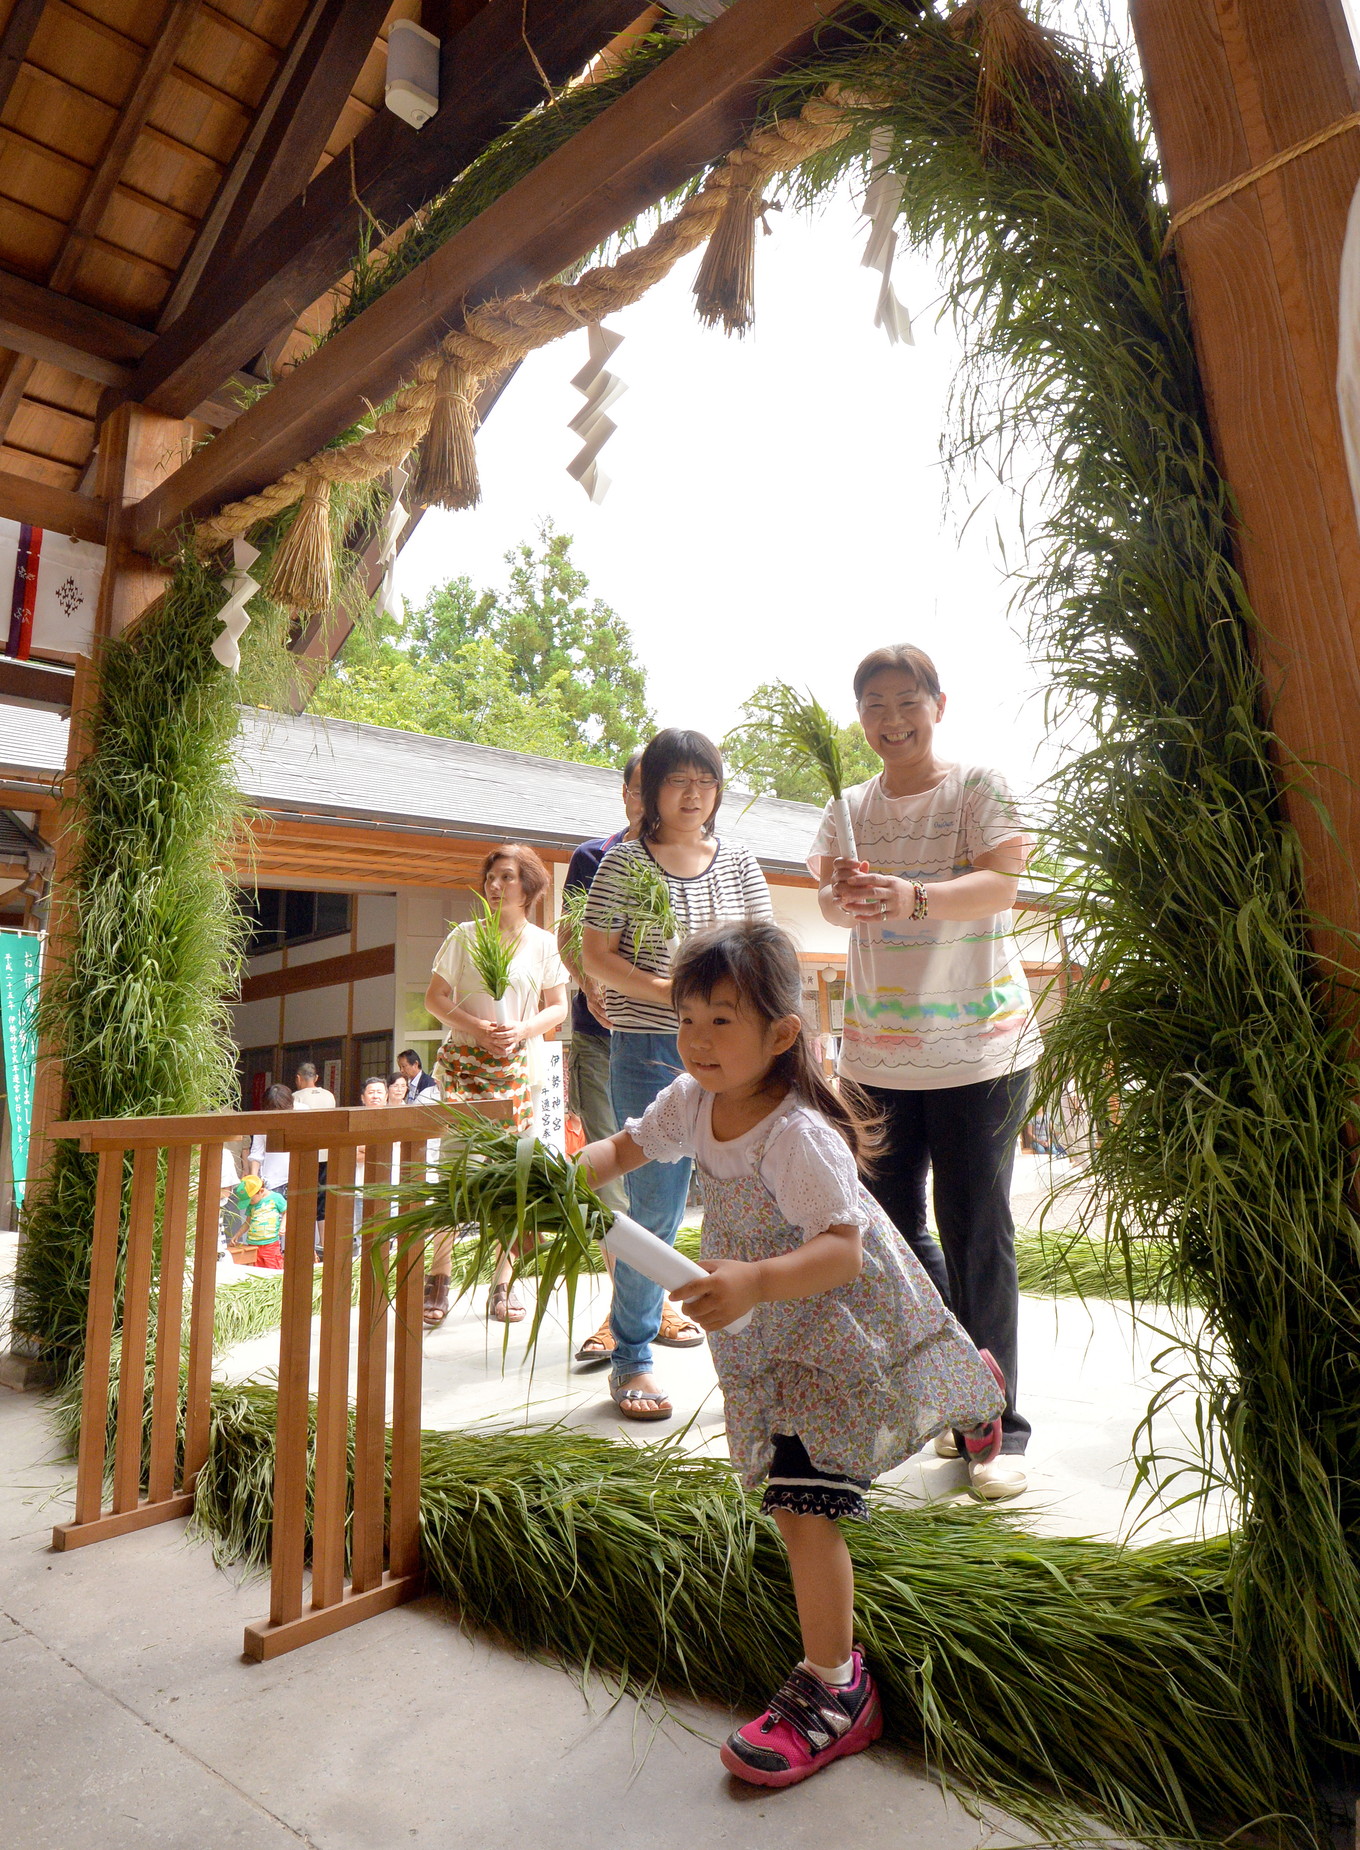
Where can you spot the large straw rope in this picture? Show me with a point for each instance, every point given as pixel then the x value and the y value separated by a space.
pixel 500 332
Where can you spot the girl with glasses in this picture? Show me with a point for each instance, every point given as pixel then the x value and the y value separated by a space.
pixel 711 881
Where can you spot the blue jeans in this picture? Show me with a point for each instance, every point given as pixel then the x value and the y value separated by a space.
pixel 640 1066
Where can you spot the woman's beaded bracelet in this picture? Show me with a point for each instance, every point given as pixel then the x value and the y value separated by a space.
pixel 921 904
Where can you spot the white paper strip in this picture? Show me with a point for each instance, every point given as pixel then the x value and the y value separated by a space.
pixel 881 204
pixel 592 422
pixel 640 1248
pixel 388 601
pixel 241 587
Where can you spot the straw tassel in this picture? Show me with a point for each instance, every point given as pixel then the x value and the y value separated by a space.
pixel 1018 61
pixel 447 476
pixel 724 290
pixel 303 573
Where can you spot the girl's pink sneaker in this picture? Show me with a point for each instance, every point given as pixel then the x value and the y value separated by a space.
pixel 983 1444
pixel 807 1725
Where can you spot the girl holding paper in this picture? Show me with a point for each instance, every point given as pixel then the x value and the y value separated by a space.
pixel 850 1361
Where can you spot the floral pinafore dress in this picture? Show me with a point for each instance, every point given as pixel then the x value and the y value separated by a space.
pixel 865 1374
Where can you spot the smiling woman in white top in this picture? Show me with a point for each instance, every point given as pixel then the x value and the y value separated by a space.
pixel 483 1058
pixel 939 1027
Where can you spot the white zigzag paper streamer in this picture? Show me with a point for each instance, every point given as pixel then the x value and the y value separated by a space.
pixel 388 601
pixel 881 204
pixel 241 587
pixel 592 422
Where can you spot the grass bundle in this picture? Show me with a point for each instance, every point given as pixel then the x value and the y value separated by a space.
pixel 575 904
pixel 1073 1263
pixel 1061 1679
pixel 492 958
pixel 1200 1043
pixel 647 902
pixel 447 473
pixel 807 732
pixel 520 1196
pixel 302 576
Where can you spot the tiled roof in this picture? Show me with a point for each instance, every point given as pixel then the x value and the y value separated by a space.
pixel 294 764
pixel 291 763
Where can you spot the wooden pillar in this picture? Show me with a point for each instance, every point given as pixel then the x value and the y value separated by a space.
pixel 1231 83
pixel 138 449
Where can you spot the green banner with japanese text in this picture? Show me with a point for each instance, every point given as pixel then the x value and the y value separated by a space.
pixel 19 961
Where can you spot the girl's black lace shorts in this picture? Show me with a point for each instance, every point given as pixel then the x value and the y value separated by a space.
pixel 796 1484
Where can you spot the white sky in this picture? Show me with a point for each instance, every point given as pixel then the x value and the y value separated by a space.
pixel 777 506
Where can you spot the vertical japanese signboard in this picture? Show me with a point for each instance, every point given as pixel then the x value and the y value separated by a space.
pixel 19 956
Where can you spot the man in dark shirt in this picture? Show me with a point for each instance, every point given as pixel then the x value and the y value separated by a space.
pixel 588 1051
pixel 419 1083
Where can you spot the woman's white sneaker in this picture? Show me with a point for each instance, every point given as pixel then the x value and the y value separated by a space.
pixel 998 1478
pixel 945 1446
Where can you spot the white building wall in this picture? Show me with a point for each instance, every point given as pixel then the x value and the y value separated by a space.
pixel 795 909
pixel 255 1024
pixel 316 1014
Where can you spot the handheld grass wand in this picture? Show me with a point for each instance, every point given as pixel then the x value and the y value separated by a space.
pixel 521 1197
pixel 802 725
pixel 492 958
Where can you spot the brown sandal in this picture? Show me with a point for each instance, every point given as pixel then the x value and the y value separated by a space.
pixel 503 1308
pixel 436 1306
pixel 677 1331
pixel 599 1347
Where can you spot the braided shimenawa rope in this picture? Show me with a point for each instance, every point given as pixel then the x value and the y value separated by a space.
pixel 498 333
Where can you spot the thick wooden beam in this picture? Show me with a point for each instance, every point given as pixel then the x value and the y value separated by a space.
pixel 137 450
pixel 379 960
pixel 59 510
pixel 689 112
pixel 95 339
pixel 337 48
pixel 491 73
pixel 1231 83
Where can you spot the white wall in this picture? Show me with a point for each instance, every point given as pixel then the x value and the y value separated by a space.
pixel 795 909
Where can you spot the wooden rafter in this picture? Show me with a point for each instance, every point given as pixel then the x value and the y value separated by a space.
pixel 15 41
pixel 174 22
pixel 492 72
pixel 342 36
pixel 211 231
pixel 687 113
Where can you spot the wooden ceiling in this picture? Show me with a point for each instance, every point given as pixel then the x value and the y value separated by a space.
pixel 126 136
pixel 184 185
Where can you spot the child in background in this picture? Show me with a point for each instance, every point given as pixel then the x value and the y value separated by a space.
pixel 851 1361
pixel 264 1210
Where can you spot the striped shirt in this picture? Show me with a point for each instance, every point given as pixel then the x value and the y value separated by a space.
pixel 730 887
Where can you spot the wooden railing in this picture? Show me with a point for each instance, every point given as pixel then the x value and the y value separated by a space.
pixel 167 1154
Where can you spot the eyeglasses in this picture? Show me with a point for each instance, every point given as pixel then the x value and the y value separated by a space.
pixel 677 781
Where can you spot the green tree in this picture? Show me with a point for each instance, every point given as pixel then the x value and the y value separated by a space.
pixel 763 764
pixel 534 668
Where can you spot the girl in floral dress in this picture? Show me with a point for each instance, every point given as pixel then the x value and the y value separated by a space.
pixel 851 1361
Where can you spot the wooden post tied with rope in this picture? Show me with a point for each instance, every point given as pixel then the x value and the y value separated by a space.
pixel 364 1526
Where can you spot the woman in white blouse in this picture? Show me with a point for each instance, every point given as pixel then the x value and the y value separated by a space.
pixel 481 1058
